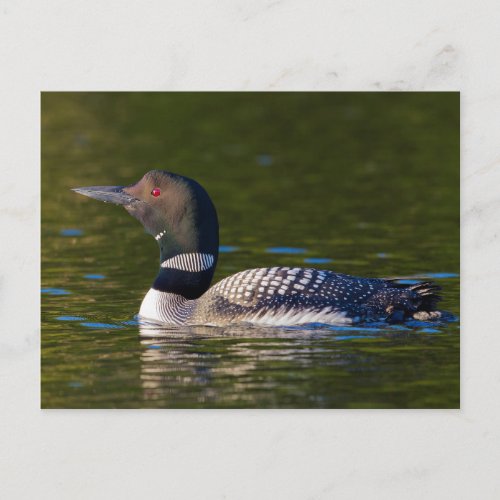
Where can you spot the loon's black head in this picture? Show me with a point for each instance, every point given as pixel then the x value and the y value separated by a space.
pixel 178 212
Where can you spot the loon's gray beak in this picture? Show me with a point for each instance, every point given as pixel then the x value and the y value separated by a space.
pixel 108 194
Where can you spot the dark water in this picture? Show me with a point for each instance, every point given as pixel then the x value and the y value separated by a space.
pixel 364 184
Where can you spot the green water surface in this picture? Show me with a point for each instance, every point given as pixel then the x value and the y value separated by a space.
pixel 360 183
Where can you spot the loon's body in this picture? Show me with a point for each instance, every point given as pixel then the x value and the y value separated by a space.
pixel 178 212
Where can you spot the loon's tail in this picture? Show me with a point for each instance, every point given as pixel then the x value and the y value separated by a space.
pixel 423 298
pixel 427 292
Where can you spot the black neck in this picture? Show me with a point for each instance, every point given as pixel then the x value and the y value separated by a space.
pixel 190 285
pixel 191 270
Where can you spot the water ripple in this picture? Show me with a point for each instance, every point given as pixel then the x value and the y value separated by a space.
pixel 71 232
pixel 101 326
pixel 441 275
pixel 228 249
pixel 55 291
pixel 286 250
pixel 264 160
pixel 317 260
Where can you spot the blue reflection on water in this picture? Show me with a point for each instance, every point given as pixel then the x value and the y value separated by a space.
pixel 442 275
pixel 264 160
pixel 425 276
pixel 291 250
pixel 71 232
pixel 350 337
pixel 398 327
pixel 104 326
pixel 75 384
pixel 317 260
pixel 94 276
pixel 408 282
pixel 344 328
pixel 227 249
pixel 132 322
pixel 70 318
pixel 55 291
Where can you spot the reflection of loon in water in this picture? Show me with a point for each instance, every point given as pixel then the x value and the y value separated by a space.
pixel 178 212
pixel 174 359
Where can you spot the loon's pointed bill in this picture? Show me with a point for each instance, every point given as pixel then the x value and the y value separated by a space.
pixel 108 194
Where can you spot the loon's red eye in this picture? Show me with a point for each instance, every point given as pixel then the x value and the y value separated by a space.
pixel 156 192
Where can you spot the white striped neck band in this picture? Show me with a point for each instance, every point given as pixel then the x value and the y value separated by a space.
pixel 192 262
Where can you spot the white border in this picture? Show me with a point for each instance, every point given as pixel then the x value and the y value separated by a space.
pixel 241 45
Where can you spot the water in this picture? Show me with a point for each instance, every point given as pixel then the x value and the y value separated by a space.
pixel 365 184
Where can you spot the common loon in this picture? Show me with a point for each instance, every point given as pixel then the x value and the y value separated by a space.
pixel 180 215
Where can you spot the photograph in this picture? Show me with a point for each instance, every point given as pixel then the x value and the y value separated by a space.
pixel 250 250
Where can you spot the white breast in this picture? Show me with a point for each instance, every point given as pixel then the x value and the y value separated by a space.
pixel 166 307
